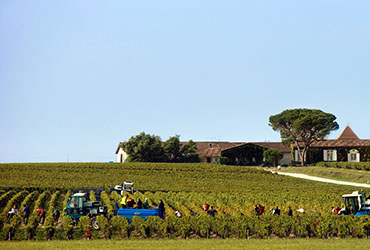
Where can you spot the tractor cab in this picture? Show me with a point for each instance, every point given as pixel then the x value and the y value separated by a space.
pixel 356 204
pixel 75 205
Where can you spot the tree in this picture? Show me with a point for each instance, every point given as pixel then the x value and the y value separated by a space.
pixel 272 155
pixel 149 148
pixel 144 148
pixel 302 127
pixel 189 152
pixel 171 148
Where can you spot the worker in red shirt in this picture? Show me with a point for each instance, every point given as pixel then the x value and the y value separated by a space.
pixel 41 214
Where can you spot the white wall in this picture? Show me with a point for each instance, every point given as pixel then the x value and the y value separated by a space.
pixel 124 155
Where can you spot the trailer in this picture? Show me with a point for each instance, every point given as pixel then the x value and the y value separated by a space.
pixel 129 213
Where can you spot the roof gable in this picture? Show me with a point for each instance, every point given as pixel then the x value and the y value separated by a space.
pixel 348 134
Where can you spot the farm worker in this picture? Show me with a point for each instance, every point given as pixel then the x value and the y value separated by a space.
pixel 146 203
pixel 301 210
pixel 178 214
pixel 41 214
pixel 256 210
pixel 13 211
pixel 161 209
pixel 277 211
pixel 290 211
pixel 26 214
pixel 336 211
pixel 212 212
pixel 261 208
pixel 124 201
pixel 130 203
pixel 139 203
pixel 56 215
pixel 205 207
pixel 88 233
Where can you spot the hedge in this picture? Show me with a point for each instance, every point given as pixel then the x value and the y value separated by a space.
pixel 347 165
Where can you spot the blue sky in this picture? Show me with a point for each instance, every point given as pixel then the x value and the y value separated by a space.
pixel 78 77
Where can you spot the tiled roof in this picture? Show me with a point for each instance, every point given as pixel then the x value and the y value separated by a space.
pixel 348 134
pixel 213 149
pixel 341 143
pixel 273 145
pixel 212 144
pixel 210 152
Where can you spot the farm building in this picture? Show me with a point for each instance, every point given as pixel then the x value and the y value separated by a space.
pixel 347 147
pixel 252 153
pixel 236 153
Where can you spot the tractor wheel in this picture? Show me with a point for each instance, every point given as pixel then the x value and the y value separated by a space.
pixel 94 223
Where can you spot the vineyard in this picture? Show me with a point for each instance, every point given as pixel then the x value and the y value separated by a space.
pixel 232 190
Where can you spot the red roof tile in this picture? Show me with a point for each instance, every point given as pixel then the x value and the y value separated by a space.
pixel 348 134
pixel 273 145
pixel 341 143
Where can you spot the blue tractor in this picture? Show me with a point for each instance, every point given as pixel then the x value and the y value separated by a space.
pixel 78 205
pixel 356 203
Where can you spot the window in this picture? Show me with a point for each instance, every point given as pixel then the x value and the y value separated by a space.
pixel 330 155
pixel 73 202
pixel 354 155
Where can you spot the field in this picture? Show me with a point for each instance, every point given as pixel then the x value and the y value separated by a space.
pixel 272 244
pixel 340 174
pixel 232 190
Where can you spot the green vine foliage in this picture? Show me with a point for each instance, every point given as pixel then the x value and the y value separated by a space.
pixel 105 226
pixel 68 228
pixel 10 229
pixel 121 225
pixel 140 227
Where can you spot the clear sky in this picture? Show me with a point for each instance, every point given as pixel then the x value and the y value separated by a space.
pixel 78 77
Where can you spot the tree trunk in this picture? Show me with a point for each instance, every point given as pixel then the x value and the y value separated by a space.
pixel 304 156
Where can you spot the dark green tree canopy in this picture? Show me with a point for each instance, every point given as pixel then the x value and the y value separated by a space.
pixel 303 126
pixel 189 152
pixel 172 148
pixel 149 148
pixel 272 156
pixel 144 148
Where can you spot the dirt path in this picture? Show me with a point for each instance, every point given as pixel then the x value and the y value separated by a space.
pixel 314 178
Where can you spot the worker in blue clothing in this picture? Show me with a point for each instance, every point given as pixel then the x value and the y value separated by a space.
pixel 161 209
